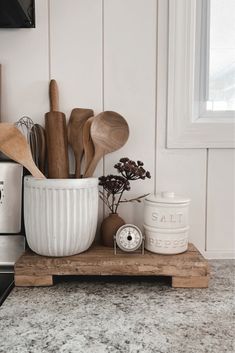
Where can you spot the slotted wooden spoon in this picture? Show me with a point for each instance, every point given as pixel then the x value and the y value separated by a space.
pixel 15 146
pixel 109 132
pixel 75 134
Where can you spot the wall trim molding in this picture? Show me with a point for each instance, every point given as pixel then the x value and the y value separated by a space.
pixel 218 254
pixel 184 130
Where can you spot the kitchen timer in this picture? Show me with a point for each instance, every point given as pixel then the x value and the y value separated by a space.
pixel 128 238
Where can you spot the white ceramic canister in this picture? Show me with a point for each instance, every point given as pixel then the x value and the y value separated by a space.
pixel 166 223
pixel 166 241
pixel 166 210
pixel 60 215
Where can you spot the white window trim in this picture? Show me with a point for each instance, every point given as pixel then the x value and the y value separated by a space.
pixel 184 130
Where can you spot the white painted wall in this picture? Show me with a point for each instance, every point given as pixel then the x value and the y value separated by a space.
pixel 103 54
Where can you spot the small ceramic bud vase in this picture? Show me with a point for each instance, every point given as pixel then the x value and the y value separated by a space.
pixel 109 227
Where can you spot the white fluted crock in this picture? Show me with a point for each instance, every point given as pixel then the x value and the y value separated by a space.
pixel 60 215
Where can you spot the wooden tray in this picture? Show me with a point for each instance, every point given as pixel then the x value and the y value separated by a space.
pixel 188 270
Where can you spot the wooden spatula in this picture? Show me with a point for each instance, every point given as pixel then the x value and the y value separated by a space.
pixel 89 148
pixel 14 145
pixel 75 134
pixel 56 137
pixel 109 132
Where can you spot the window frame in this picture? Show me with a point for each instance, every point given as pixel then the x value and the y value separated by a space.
pixel 188 126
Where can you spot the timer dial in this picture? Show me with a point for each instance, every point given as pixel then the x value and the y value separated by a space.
pixel 129 237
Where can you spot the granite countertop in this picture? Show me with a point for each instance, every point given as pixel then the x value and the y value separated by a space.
pixel 121 315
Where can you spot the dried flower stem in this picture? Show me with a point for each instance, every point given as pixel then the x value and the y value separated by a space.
pixel 105 200
pixel 137 199
pixel 119 200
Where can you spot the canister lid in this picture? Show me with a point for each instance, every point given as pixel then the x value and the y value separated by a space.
pixel 167 197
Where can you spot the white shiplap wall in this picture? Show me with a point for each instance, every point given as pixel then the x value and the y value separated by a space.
pixel 112 55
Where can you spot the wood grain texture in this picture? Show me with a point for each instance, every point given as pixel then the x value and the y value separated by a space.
pixel 54 96
pixel 29 281
pixel 190 282
pixel 39 132
pixel 89 148
pixel 56 137
pixel 100 260
pixel 77 120
pixel 109 132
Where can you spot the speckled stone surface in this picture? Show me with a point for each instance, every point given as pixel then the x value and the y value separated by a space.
pixel 124 315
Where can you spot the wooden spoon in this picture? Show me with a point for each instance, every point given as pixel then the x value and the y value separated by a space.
pixel 75 132
pixel 14 145
pixel 89 148
pixel 109 132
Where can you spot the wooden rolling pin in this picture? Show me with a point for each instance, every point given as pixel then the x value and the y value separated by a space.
pixel 56 137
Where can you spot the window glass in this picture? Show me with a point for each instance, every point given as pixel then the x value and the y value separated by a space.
pixel 221 61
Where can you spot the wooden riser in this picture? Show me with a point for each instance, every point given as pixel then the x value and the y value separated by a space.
pixel 188 270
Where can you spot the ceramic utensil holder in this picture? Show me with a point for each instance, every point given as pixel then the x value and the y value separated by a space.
pixel 60 215
pixel 166 223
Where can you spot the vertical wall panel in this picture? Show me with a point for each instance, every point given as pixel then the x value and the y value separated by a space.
pixel 184 171
pixel 117 67
pixel 179 170
pixel 76 52
pixel 221 202
pixel 76 57
pixel 24 59
pixel 129 86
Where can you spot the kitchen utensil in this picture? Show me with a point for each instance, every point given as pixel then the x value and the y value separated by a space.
pixel 129 238
pixel 25 125
pixel 15 146
pixel 89 149
pixel 56 137
pixel 40 139
pixel 35 135
pixel 33 146
pixel 75 134
pixel 109 132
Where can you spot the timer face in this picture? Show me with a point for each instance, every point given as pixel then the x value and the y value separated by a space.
pixel 129 237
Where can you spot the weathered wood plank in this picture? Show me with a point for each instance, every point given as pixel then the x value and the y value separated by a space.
pixel 190 282
pixel 29 281
pixel 102 261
